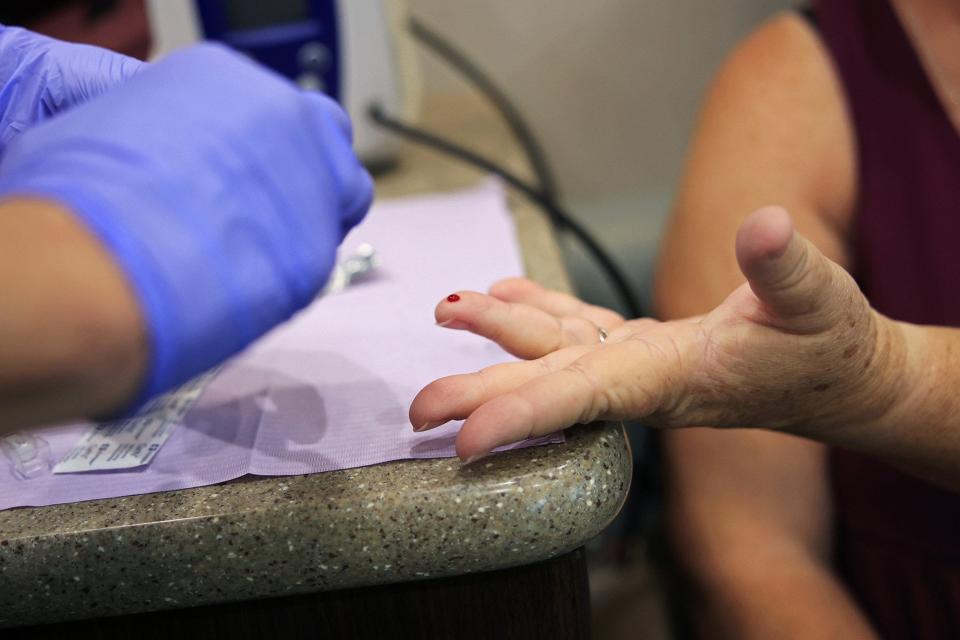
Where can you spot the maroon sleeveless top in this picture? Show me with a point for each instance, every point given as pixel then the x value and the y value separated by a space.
pixel 898 538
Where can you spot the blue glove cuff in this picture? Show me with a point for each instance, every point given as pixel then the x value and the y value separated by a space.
pixel 140 268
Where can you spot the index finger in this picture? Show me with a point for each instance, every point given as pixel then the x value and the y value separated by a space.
pixel 556 303
pixel 525 331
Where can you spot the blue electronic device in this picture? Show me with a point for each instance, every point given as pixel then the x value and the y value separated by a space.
pixel 356 51
pixel 297 38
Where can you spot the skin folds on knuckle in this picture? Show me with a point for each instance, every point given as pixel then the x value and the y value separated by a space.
pixel 502 420
pixel 495 318
pixel 576 330
pixel 482 382
pixel 796 275
pixel 830 294
pixel 557 340
pixel 593 397
pixel 651 385
pixel 545 363
pixel 617 320
pixel 437 400
pixel 510 289
pixel 632 328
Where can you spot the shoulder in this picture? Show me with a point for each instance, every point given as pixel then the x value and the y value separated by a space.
pixel 778 93
pixel 782 51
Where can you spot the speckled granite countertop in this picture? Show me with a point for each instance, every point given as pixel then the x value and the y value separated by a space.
pixel 393 522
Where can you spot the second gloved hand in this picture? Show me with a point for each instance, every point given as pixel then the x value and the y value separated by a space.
pixel 220 188
pixel 41 77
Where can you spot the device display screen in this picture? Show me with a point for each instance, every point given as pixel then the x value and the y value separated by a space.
pixel 253 14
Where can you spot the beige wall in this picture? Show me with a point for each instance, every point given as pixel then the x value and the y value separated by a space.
pixel 611 86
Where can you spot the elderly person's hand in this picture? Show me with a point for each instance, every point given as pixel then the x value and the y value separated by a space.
pixel 796 348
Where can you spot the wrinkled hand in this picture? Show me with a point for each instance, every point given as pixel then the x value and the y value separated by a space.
pixel 796 347
pixel 41 77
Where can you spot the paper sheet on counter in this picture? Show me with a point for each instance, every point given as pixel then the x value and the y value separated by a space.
pixel 330 389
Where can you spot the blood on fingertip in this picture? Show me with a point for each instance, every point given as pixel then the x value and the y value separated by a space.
pixel 452 297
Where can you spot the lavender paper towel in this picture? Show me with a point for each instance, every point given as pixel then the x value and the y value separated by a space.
pixel 330 389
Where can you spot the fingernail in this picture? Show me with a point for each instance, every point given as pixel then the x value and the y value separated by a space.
pixel 452 323
pixel 474 458
pixel 429 425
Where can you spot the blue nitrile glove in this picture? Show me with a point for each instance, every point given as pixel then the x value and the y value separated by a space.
pixel 40 76
pixel 221 189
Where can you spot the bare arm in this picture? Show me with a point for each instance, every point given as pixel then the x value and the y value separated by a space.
pixel 752 513
pixel 796 349
pixel 72 341
pixel 750 510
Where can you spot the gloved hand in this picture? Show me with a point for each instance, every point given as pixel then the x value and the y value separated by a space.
pixel 221 189
pixel 40 76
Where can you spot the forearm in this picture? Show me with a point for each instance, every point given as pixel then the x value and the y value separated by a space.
pixel 72 342
pixel 776 591
pixel 750 517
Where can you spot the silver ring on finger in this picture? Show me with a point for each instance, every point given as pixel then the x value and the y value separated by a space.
pixel 602 333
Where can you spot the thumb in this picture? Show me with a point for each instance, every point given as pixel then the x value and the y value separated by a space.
pixel 786 272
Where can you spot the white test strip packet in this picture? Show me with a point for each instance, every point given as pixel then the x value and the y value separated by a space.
pixel 131 443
